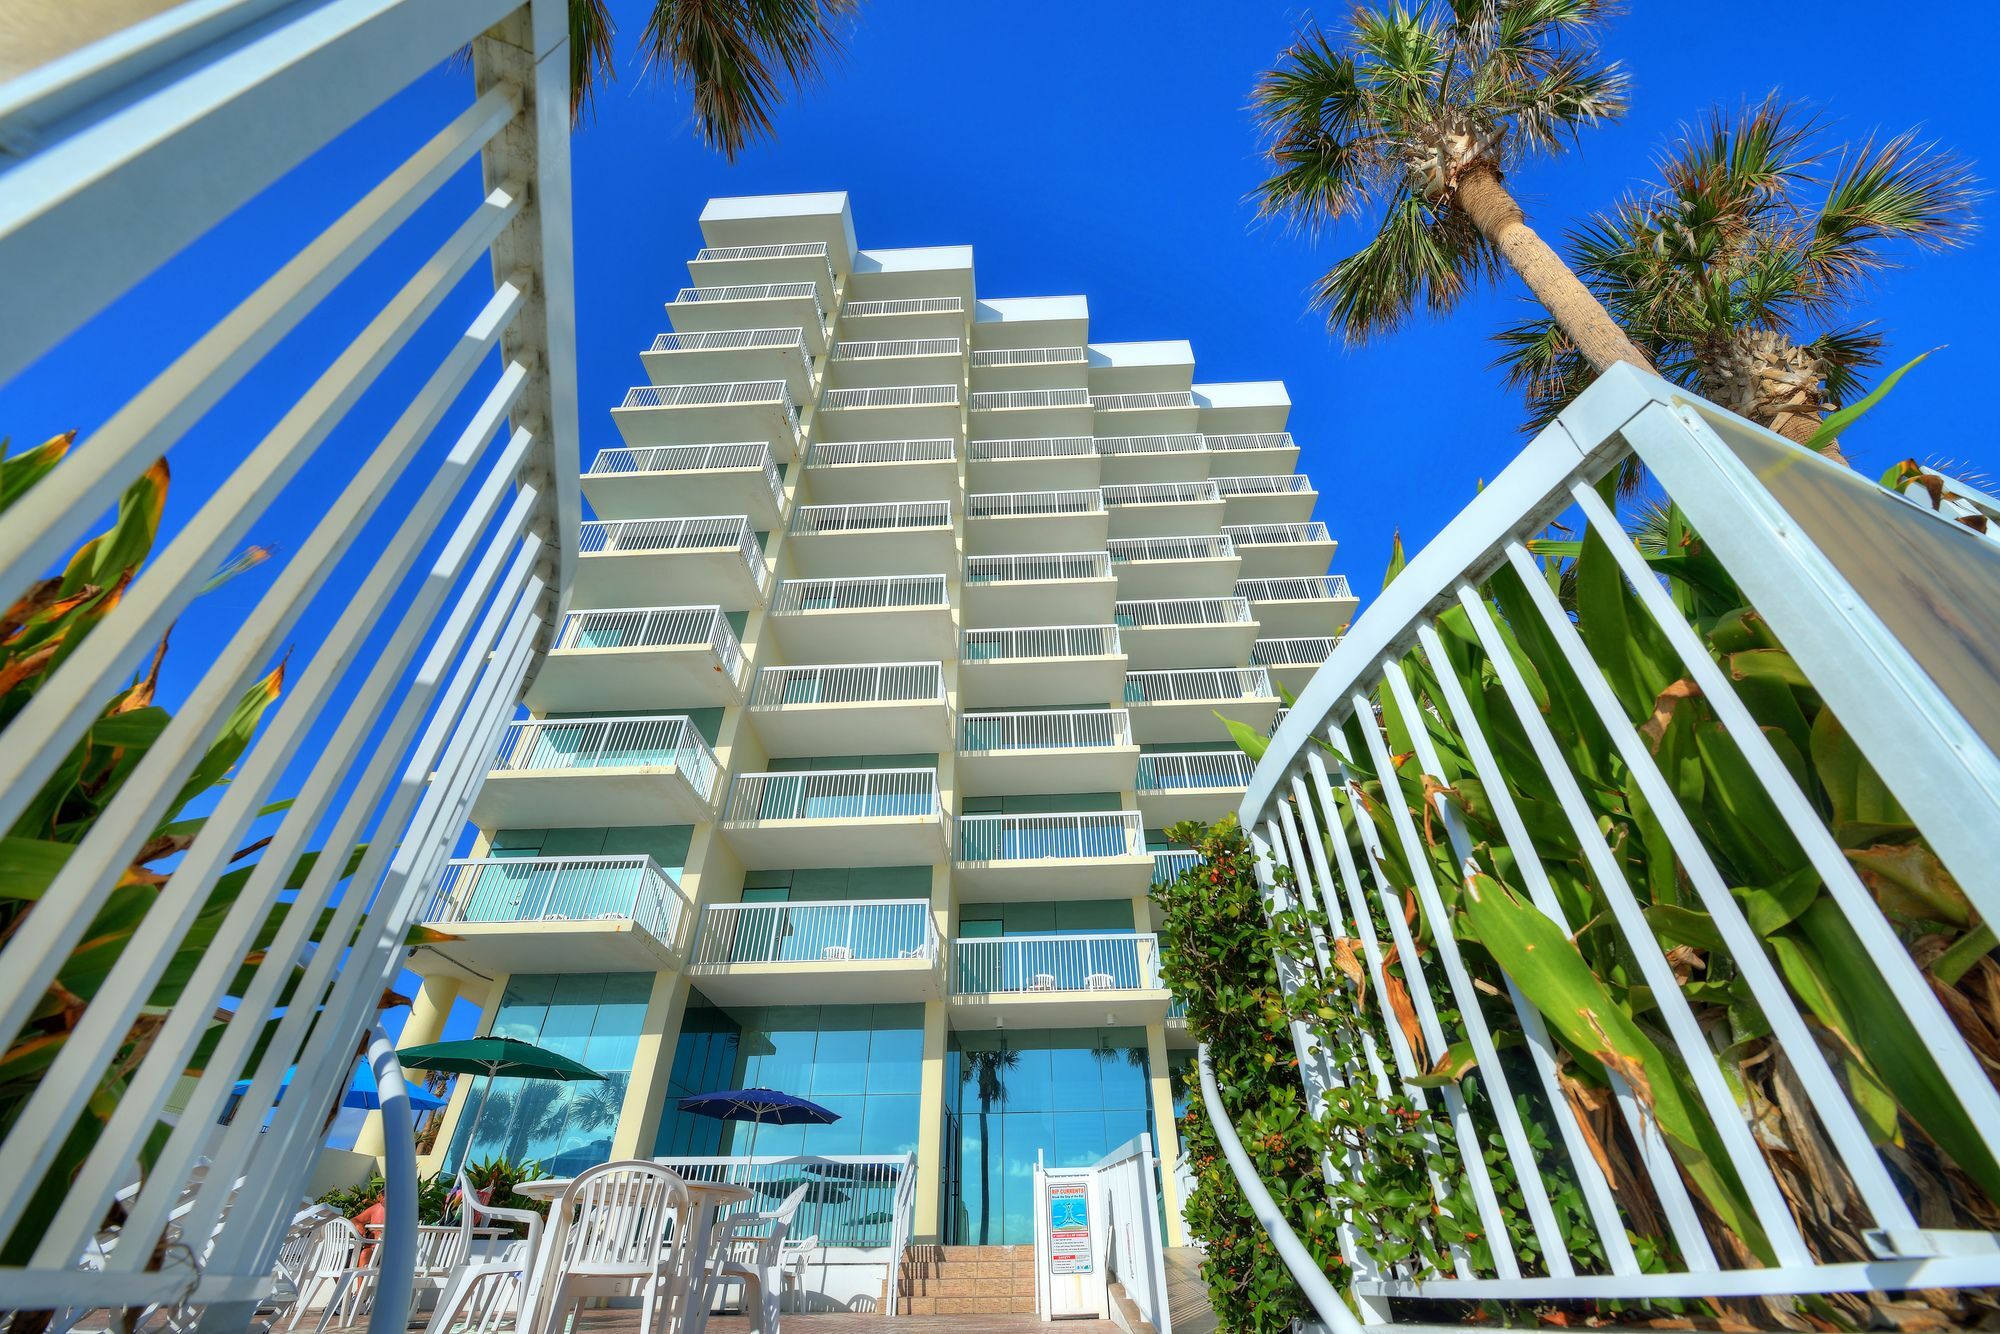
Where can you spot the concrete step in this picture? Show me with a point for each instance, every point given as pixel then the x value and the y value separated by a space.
pixel 967 1280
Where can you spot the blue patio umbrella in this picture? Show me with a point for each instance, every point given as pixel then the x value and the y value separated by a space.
pixel 362 1093
pixel 764 1107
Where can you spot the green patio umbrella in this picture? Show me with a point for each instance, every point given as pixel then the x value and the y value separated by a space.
pixel 493 1057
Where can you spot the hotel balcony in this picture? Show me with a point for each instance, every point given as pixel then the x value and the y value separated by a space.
pixel 909 317
pixel 627 562
pixel 835 817
pixel 827 540
pixel 852 952
pixel 640 658
pixel 1027 666
pixel 1260 499
pixel 1142 368
pixel 896 361
pixel 883 707
pixel 1163 509
pixel 757 221
pixel 1180 457
pixel 1242 407
pixel 1274 550
pixel 676 481
pixel 1181 705
pixel 1170 862
pixel 555 914
pixel 1300 608
pixel 1028 368
pixel 1057 981
pixel 1176 1026
pixel 1032 754
pixel 892 413
pixel 587 773
pixel 854 471
pixel 752 306
pixel 749 265
pixel 1155 567
pixel 1254 452
pixel 1060 461
pixel 724 354
pixel 1166 412
pixel 1292 662
pixel 700 414
pixel 900 272
pixel 1001 523
pixel 1005 414
pixel 1057 588
pixel 1191 784
pixel 1029 858
pixel 1186 632
pixel 859 620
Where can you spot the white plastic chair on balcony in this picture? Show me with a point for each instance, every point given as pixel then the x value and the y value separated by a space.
pixel 750 1249
pixel 1043 982
pixel 836 954
pixel 1097 982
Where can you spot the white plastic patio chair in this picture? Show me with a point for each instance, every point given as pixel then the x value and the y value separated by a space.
pixel 336 1254
pixel 620 1229
pixel 750 1250
pixel 516 1256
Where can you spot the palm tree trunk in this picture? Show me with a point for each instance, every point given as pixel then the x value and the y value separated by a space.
pixel 1575 310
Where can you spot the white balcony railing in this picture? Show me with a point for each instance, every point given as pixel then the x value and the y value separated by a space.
pixel 1107 961
pixel 1161 613
pixel 1052 729
pixel 1111 446
pixel 489 890
pixel 537 745
pixel 731 340
pixel 1168 864
pixel 848 453
pixel 1078 836
pixel 1032 447
pixel 778 250
pixel 1039 641
pixel 1197 684
pixel 915 305
pixel 1161 493
pixel 1295 588
pixel 1255 440
pixel 1269 484
pixel 1275 534
pixel 724 394
pixel 1000 399
pixel 621 461
pixel 816 933
pixel 1028 356
pixel 1200 770
pixel 896 396
pixel 652 537
pixel 1306 651
pixel 752 292
pixel 832 794
pixel 896 347
pixel 1045 566
pixel 1124 550
pixel 1169 398
pixel 654 627
pixel 816 520
pixel 863 683
pixel 889 592
pixel 1039 504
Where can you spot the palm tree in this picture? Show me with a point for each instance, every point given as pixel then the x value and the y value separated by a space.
pixel 1736 282
pixel 1415 116
pixel 986 1070
pixel 737 55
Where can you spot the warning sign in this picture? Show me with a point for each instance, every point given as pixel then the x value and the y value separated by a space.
pixel 1069 1228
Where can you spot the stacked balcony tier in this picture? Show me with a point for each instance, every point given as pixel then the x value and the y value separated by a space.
pixel 1001 414
pixel 852 952
pixel 635 657
pixel 1165 412
pixel 683 481
pixel 1292 662
pixel 896 361
pixel 1030 858
pixel 1172 457
pixel 878 707
pixel 999 368
pixel 728 355
pixel 1060 588
pixel 1260 453
pixel 584 773
pixel 888 537
pixel 733 306
pixel 860 471
pixel 1259 500
pixel 1181 704
pixel 1302 607
pixel 1163 509
pixel 1186 632
pixel 1064 462
pixel 1055 981
pixel 1281 550
pixel 1026 666
pixel 1003 523
pixel 863 619
pixel 904 317
pixel 835 817
pixel 700 414
pixel 1190 785
pixel 590 914
pixel 626 562
pixel 1035 752
pixel 888 412
pixel 749 265
pixel 1199 566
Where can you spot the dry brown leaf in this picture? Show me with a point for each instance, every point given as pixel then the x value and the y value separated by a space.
pixel 1663 710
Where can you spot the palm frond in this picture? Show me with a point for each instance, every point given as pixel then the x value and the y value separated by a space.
pixel 1401 58
pixel 739 56
pixel 1312 111
pixel 590 55
pixel 1418 257
pixel 1899 190
pixel 1573 91
pixel 1538 358
pixel 1843 355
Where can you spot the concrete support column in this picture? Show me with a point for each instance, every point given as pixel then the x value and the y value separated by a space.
pixel 428 1012
pixel 646 1093
pixel 1166 1140
pixel 929 1223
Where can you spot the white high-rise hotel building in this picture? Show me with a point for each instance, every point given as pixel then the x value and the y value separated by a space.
pixel 898 638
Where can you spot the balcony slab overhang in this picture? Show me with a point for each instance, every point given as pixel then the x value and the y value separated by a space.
pixel 1303 618
pixel 1117 1008
pixel 1029 534
pixel 890 372
pixel 908 421
pixel 683 493
pixel 900 840
pixel 1010 682
pixel 859 483
pixel 1195 720
pixel 761 270
pixel 586 798
pixel 1005 602
pixel 882 327
pixel 1144 421
pixel 746 220
pixel 633 680
pixel 707 424
pixel 483 950
pixel 1280 560
pixel 866 634
pixel 891 727
pixel 1026 422
pixel 1258 459
pixel 1149 648
pixel 1172 518
pixel 1166 806
pixel 1034 879
pixel 1157 580
pixel 871 551
pixel 1269 507
pixel 717 365
pixel 1024 772
pixel 1294 677
pixel 755 312
pixel 1068 472
pixel 1185 465
pixel 635 578
pixel 820 982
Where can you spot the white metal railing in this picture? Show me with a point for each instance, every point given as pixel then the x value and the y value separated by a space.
pixel 837 932
pixel 845 453
pixel 1031 447
pixel 752 292
pixel 915 305
pixel 1169 863
pixel 859 1201
pixel 1160 613
pixel 560 889
pixel 1039 641
pixel 418 577
pixel 654 627
pixel 1099 961
pixel 1168 398
pixel 1295 588
pixel 1028 356
pixel 1019 504
pixel 897 396
pixel 832 794
pixel 1824 561
pixel 1127 1179
pixel 1308 650
pixel 1045 729
pixel 1161 493
pixel 622 461
pixel 731 340
pixel 645 537
pixel 888 592
pixel 864 683
pixel 724 394
pixel 1265 484
pixel 1253 440
pixel 1201 546
pixel 1080 836
pixel 1173 771
pixel 1044 566
pixel 1197 684
pixel 1275 534
pixel 815 520
pixel 1111 446
pixel 989 400
pixel 777 250
pixel 646 741
pixel 896 347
